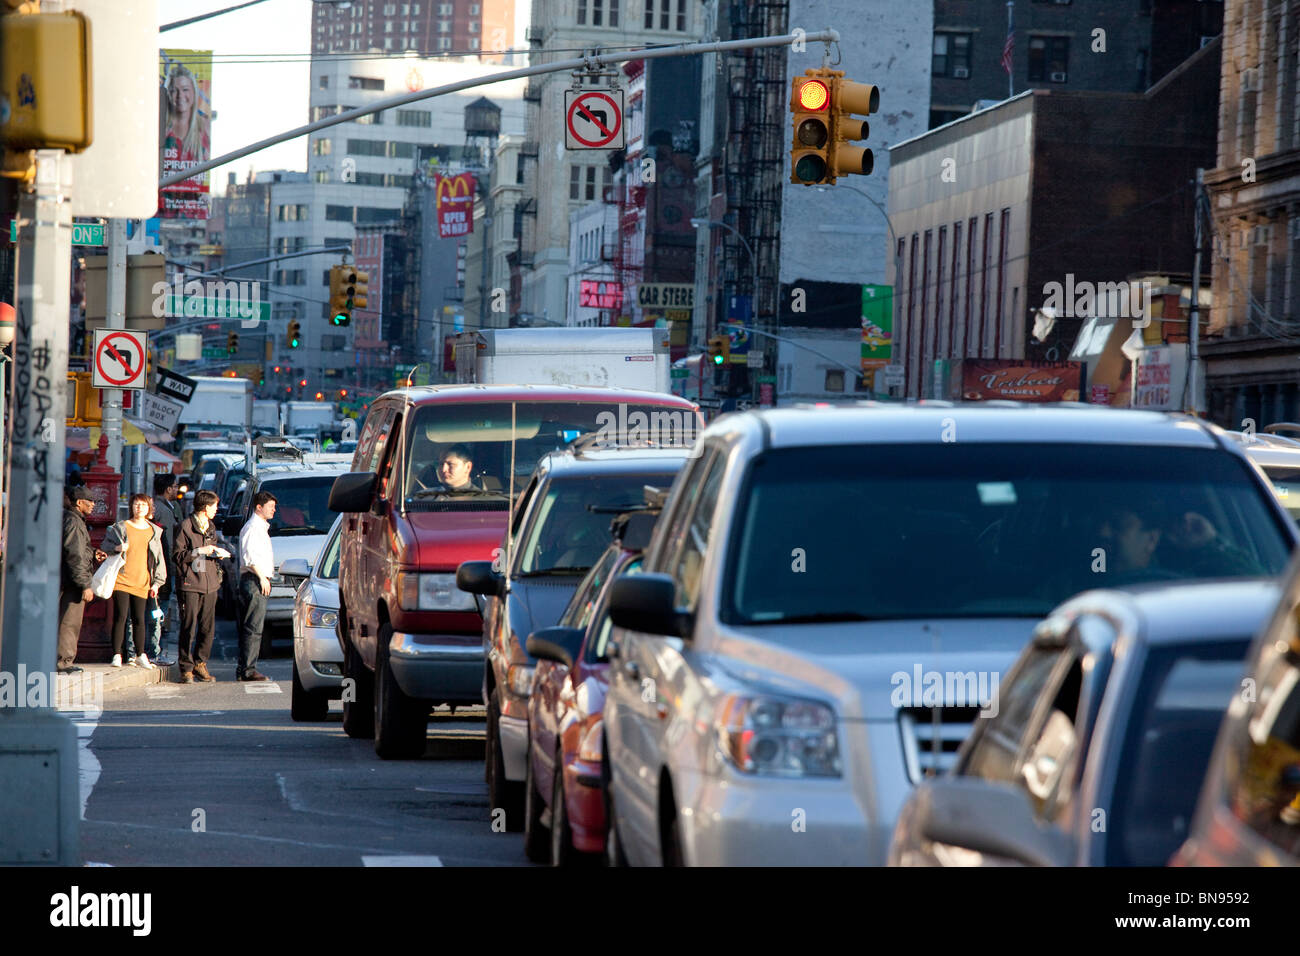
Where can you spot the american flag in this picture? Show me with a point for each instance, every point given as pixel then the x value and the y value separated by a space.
pixel 1008 49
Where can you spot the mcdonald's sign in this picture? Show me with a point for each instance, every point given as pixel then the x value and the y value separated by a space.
pixel 454 201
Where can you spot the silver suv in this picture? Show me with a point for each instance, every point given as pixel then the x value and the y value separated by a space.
pixel 833 595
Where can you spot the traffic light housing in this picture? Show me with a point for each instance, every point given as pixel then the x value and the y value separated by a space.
pixel 294 337
pixel 232 343
pixel 348 291
pixel 824 127
pixel 720 349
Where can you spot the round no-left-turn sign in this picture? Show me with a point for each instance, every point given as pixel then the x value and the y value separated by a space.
pixel 119 359
pixel 593 119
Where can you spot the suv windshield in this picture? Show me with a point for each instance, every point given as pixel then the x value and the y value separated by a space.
pixel 302 505
pixel 984 529
pixel 460 451
pixel 569 529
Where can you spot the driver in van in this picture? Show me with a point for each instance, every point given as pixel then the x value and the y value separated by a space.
pixel 454 470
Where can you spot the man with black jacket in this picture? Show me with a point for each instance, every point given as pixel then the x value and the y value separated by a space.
pixel 77 568
pixel 197 553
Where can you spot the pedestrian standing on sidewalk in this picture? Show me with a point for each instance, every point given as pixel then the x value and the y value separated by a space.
pixel 166 517
pixel 74 576
pixel 197 555
pixel 258 566
pixel 144 572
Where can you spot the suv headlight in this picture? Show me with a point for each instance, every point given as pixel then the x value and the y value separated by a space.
pixel 783 736
pixel 432 592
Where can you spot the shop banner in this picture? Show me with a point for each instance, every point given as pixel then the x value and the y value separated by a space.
pixel 454 199
pixel 1019 380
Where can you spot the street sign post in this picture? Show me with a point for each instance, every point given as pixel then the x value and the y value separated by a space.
pixel 161 413
pixel 593 119
pixel 893 376
pixel 118 359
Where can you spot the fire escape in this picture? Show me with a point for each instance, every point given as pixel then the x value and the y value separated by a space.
pixel 754 154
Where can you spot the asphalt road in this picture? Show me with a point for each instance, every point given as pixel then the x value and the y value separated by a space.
pixel 219 775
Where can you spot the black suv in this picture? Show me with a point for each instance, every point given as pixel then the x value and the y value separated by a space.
pixel 559 530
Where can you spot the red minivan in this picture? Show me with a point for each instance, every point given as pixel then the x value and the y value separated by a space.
pixel 411 639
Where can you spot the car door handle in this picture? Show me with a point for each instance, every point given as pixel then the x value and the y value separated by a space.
pixel 631 671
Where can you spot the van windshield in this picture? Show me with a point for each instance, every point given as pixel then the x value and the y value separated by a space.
pixel 986 529
pixel 458 454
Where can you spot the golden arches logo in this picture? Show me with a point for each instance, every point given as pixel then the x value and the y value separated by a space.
pixel 455 189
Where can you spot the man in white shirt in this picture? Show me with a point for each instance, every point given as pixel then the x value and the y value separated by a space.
pixel 257 567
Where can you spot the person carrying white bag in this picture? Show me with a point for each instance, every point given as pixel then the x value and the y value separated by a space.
pixel 143 571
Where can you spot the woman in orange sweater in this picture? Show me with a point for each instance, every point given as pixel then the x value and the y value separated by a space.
pixel 144 572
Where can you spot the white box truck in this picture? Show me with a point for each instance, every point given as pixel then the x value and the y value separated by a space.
pixel 220 401
pixel 307 418
pixel 611 357
pixel 266 416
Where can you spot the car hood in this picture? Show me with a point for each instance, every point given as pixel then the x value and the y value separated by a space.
pixel 322 592
pixel 305 546
pixel 871 669
pixel 446 538
pixel 535 603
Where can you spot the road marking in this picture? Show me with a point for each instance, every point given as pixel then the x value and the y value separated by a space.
pixel 88 766
pixel 270 687
pixel 401 861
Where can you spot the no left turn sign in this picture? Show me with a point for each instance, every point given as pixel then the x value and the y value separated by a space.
pixel 593 119
pixel 118 359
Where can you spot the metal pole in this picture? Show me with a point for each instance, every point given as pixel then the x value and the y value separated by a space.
pixel 115 318
pixel 1194 378
pixel 38 745
pixel 1011 73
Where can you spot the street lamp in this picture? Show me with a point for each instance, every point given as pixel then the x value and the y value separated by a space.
pixel 697 222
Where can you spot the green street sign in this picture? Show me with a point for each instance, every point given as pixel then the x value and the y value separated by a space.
pixel 195 307
pixel 215 353
pixel 83 233
pixel 681 373
pixel 765 379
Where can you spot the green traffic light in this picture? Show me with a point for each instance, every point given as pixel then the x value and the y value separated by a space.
pixel 717 360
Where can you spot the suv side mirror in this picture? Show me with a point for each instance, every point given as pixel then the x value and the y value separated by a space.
pixel 557 644
pixel 352 493
pixel 477 577
pixel 990 818
pixel 647 602
pixel 295 568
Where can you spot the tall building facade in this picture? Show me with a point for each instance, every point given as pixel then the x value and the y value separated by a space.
pixel 1120 46
pixel 557 181
pixel 421 26
pixel 1251 363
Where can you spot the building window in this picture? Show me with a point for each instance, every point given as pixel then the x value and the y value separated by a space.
pixel 951 55
pixel 444 43
pixel 444 26
pixel 324 82
pixel 321 147
pixel 650 14
pixel 613 13
pixel 1048 59
pixel 366 147
pixel 338 213
pixel 681 16
pixel 321 176
pixel 371 119
pixel 582 13
pixel 575 182
pixel 401 150
pixel 591 183
pixel 290 277
pixel 834 380
pixel 294 212
pixel 365 83
pixel 473 27
pixel 473 44
pixel 388 43
pixel 444 10
pixel 422 118
pixel 288 244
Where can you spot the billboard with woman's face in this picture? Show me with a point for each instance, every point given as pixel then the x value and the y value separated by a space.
pixel 185 98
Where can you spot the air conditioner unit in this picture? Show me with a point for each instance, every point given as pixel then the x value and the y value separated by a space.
pixel 1250 80
pixel 1058 77
pixel 961 72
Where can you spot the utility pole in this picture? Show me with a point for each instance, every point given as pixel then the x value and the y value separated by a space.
pixel 115 318
pixel 38 746
pixel 1194 403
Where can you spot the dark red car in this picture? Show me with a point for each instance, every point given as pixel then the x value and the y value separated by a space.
pixel 564 813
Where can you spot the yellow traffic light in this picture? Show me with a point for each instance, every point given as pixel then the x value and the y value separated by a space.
pixel 358 284
pixel 810 119
pixel 232 343
pixel 720 349
pixel 848 98
pixel 295 334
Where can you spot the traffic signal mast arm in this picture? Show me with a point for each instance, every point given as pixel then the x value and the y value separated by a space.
pixel 593 62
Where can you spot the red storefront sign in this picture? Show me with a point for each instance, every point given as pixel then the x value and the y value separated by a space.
pixel 1021 381
pixel 593 294
pixel 454 200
